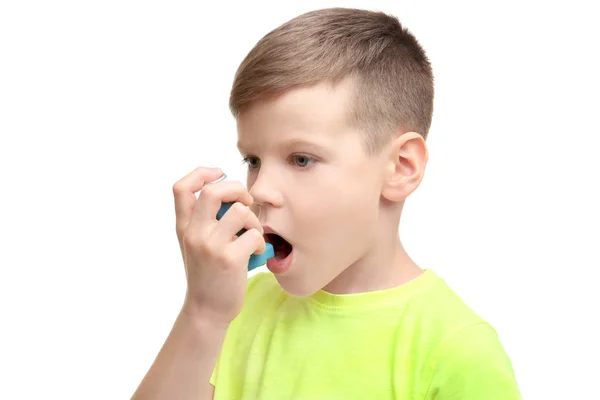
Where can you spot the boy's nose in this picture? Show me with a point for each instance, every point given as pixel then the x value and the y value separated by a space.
pixel 264 191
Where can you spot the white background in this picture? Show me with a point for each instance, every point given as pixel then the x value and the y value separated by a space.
pixel 105 105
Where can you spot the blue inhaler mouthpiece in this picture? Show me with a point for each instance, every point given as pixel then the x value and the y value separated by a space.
pixel 256 260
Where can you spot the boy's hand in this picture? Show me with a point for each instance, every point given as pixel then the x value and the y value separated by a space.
pixel 215 259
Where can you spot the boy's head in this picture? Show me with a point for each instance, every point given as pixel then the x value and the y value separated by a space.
pixel 333 108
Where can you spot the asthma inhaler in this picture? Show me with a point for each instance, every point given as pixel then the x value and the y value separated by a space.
pixel 256 260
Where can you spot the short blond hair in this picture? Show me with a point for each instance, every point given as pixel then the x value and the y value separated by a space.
pixel 393 77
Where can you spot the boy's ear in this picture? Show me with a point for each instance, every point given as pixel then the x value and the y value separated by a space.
pixel 407 158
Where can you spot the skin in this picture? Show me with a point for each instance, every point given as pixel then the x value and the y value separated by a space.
pixel 317 187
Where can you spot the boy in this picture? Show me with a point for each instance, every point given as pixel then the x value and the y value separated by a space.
pixel 333 109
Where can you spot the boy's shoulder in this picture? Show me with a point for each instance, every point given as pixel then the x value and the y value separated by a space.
pixel 463 353
pixel 439 304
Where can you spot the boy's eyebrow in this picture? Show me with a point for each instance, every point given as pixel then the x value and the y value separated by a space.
pixel 288 143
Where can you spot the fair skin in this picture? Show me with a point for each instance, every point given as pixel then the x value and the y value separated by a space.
pixel 338 206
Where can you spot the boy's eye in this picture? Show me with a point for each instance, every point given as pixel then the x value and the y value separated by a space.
pixel 253 162
pixel 302 160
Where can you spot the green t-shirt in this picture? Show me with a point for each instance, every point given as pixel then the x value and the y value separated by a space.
pixel 414 341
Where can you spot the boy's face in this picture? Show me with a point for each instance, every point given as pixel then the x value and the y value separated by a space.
pixel 316 185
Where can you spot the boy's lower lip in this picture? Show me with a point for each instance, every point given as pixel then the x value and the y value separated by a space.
pixel 280 266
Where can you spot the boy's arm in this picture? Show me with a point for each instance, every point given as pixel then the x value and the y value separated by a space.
pixel 186 361
pixel 472 364
pixel 216 262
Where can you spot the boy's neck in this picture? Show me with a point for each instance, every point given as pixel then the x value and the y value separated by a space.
pixel 386 266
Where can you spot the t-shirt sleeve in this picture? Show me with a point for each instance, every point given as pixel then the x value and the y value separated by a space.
pixel 472 364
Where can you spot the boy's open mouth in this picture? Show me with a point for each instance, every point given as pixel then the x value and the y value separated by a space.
pixel 280 245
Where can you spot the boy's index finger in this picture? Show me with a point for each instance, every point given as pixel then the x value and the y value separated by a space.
pixel 222 178
pixel 197 179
